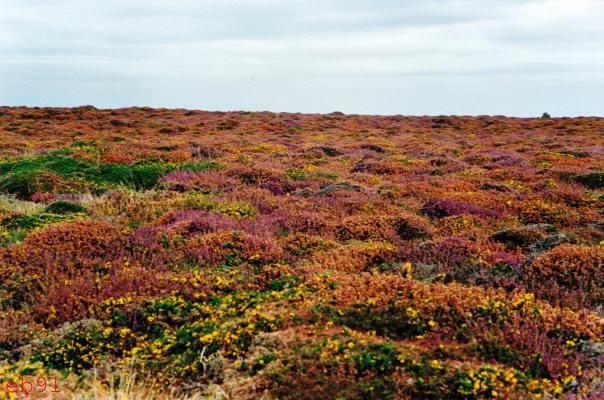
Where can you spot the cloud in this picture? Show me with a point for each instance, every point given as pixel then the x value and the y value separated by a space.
pixel 513 57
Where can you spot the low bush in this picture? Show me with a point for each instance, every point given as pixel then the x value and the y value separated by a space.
pixel 593 180
pixel 570 271
pixel 64 207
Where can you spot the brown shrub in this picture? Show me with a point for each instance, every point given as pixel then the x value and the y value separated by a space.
pixel 355 257
pixel 570 265
pixel 65 247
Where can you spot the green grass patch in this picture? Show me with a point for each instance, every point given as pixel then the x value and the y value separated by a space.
pixel 60 171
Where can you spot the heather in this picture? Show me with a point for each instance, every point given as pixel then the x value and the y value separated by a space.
pixel 294 256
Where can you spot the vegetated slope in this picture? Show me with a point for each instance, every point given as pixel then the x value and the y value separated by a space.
pixel 303 256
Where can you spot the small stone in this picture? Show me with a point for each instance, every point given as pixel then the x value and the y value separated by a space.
pixel 373 147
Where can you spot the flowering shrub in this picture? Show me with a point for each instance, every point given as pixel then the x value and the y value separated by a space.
pixel 364 227
pixel 235 209
pixel 570 265
pixel 355 257
pixel 254 254
pixel 405 226
pixel 569 271
pixel 303 245
pixel 540 212
pixel 232 247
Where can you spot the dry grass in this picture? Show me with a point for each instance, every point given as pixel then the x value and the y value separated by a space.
pixel 126 384
pixel 12 205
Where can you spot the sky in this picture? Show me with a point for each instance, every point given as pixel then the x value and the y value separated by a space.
pixel 416 57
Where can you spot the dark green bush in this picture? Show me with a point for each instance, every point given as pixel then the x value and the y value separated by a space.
pixel 23 184
pixel 26 176
pixel 64 207
pixel 593 180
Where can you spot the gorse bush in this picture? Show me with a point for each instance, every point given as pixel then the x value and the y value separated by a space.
pixel 198 201
pixel 295 174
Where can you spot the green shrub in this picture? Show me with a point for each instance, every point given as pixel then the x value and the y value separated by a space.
pixel 24 183
pixel 199 166
pixel 26 176
pixel 73 347
pixel 295 174
pixel 64 207
pixel 328 175
pixel 380 358
pixel 593 180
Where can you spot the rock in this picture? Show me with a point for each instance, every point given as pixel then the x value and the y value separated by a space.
pixel 58 335
pixel 267 340
pixel 596 225
pixel 303 192
pixel 549 242
pixel 576 153
pixel 373 147
pixel 203 151
pixel 594 351
pixel 423 272
pixel 593 180
pixel 495 186
pixel 235 382
pixel 215 367
pixel 328 151
pixel 523 237
pixel 548 228
pixel 411 228
pixel 329 189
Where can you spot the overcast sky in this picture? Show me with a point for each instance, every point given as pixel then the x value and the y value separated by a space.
pixel 417 57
